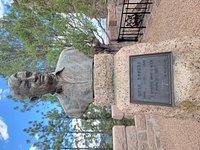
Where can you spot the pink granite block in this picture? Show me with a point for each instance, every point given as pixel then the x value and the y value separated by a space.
pixel 119 138
pixel 116 112
pixel 140 122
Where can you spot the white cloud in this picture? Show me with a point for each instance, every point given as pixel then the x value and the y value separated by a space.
pixel 3 93
pixel 32 148
pixel 3 130
pixel 7 1
pixel 1 9
pixel 36 136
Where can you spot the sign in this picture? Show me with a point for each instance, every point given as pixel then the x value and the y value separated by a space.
pixel 151 79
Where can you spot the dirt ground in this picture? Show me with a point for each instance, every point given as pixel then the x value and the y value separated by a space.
pixel 171 19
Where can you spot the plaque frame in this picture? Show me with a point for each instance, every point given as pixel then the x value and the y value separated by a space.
pixel 171 102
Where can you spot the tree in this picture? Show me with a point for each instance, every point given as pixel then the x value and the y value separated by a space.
pixel 52 133
pixel 25 43
pixel 91 8
pixel 58 131
pixel 35 32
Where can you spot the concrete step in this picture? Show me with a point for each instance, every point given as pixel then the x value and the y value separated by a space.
pixel 143 136
pixel 131 138
pixel 140 124
pixel 153 132
pixel 150 133
pixel 119 138
pixel 125 138
pixel 116 113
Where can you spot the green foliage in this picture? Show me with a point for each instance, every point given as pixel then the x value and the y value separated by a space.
pixel 25 42
pixel 102 114
pixel 99 121
pixel 57 131
pixel 51 131
pixel 88 7
pixel 45 101
pixel 34 33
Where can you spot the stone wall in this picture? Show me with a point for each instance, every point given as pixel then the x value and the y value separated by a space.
pixel 114 8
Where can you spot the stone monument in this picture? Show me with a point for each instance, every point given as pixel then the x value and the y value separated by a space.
pixel 71 83
pixel 159 78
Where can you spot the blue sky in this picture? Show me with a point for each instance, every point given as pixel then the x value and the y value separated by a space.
pixel 12 122
pixel 2 8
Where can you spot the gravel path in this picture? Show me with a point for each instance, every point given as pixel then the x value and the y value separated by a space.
pixel 173 18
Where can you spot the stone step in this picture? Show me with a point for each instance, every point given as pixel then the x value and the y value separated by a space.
pixel 140 122
pixel 125 138
pixel 150 133
pixel 141 128
pixel 119 138
pixel 147 129
pixel 153 132
pixel 143 136
pixel 131 138
pixel 116 112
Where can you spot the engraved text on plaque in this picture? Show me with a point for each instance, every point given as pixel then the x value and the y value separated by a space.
pixel 151 79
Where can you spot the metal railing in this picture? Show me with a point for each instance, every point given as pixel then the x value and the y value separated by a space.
pixel 132 17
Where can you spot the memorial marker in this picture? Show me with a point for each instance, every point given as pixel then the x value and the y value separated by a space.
pixel 151 80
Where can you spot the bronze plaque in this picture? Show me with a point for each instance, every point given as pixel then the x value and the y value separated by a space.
pixel 151 79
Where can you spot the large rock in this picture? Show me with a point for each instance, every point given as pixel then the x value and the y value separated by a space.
pixel 186 70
